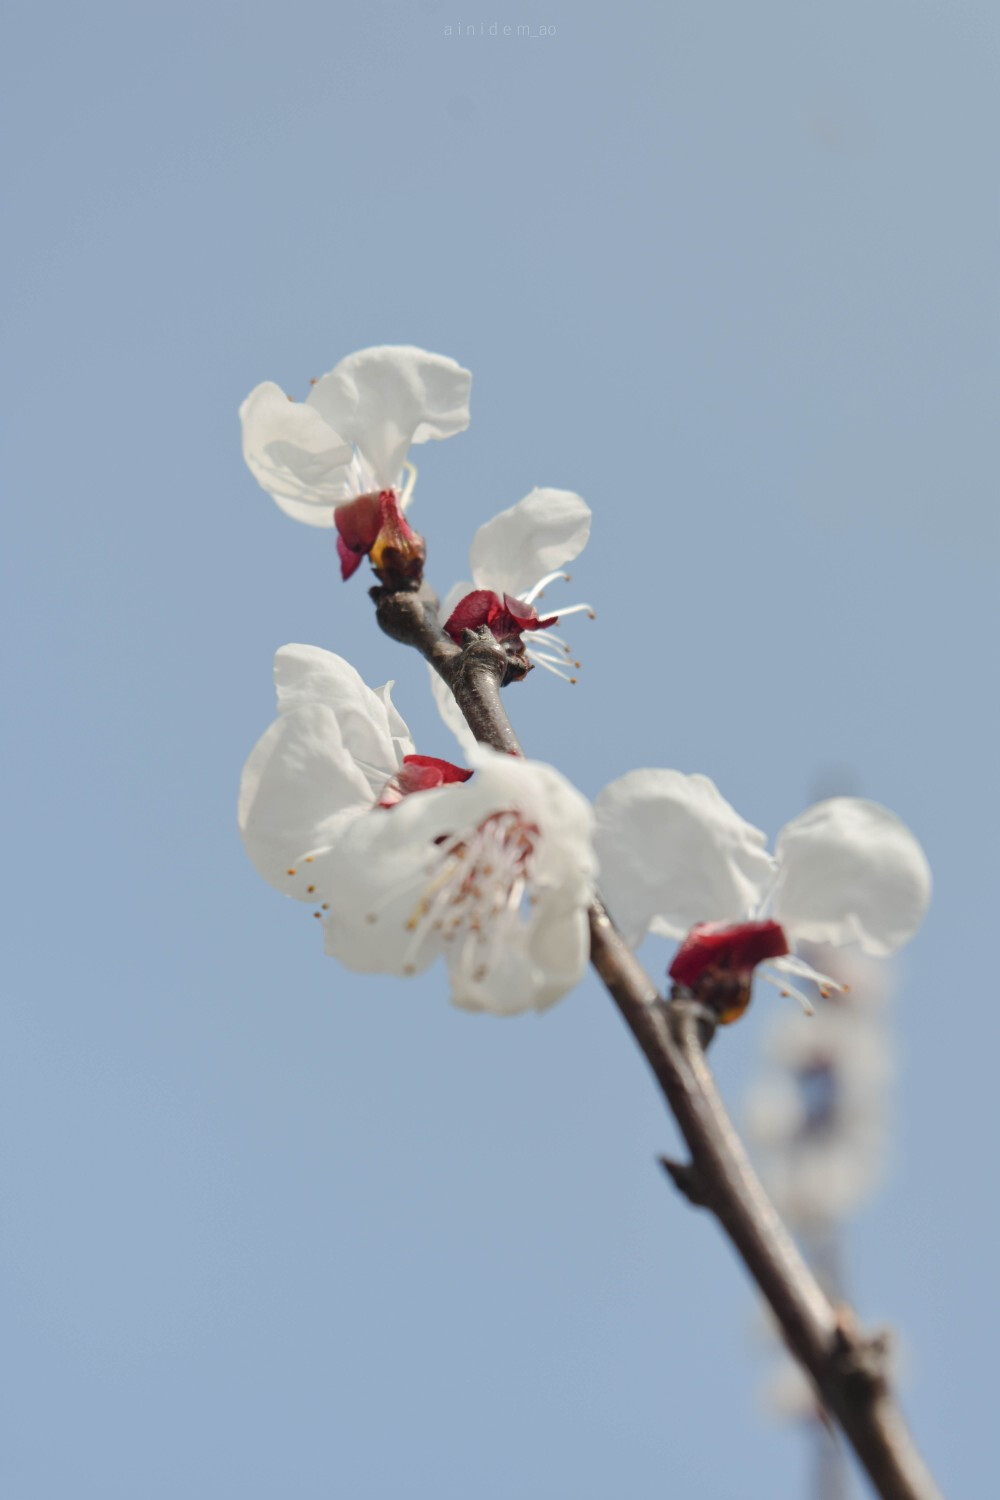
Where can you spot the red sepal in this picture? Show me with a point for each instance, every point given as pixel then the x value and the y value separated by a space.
pixel 506 617
pixel 374 526
pixel 724 948
pixel 398 552
pixel 419 773
pixel 358 522
pixel 526 616
pixel 350 561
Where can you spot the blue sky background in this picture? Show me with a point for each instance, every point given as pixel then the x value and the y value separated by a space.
pixel 268 1229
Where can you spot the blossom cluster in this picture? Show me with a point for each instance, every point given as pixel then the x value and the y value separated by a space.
pixel 491 866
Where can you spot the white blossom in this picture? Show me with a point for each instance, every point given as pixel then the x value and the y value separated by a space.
pixel 675 854
pixel 495 875
pixel 334 747
pixel 819 1112
pixel 513 559
pixel 351 435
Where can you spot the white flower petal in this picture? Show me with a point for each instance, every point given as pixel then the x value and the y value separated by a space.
pixel 398 730
pixel 545 962
pixel 843 1036
pixel 827 1179
pixel 302 463
pixel 297 785
pixel 374 881
pixel 560 949
pixel 372 733
pixel 673 852
pixel 386 398
pixel 825 1146
pixel 452 598
pixel 541 533
pixel 851 872
pixel 565 858
pixel 775 1110
pixel 450 712
pixel 444 698
pixel 789 1394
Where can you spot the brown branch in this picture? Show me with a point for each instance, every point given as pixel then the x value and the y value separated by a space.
pixel 475 671
pixel 848 1369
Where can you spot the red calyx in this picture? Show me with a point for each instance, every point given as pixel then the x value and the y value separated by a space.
pixel 357 525
pixel 717 959
pixel 729 948
pixel 419 773
pixel 733 949
pixel 506 617
pixel 374 526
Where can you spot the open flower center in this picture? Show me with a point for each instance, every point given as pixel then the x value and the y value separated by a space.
pixel 474 894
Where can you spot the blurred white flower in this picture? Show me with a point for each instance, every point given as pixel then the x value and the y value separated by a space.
pixel 789 1393
pixel 403 861
pixel 819 1117
pixel 819 1112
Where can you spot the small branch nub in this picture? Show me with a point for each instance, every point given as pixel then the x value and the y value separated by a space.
pixel 686 1178
pixel 860 1362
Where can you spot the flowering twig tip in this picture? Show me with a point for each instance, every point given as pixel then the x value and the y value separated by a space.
pixel 489 874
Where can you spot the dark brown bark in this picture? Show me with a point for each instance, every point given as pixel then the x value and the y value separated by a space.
pixel 848 1368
